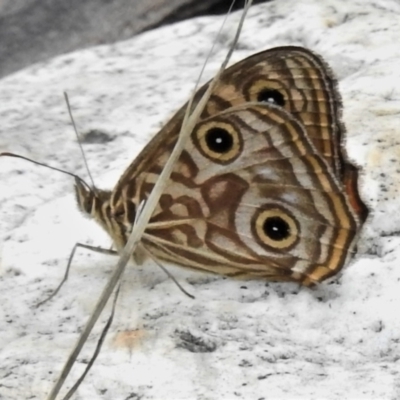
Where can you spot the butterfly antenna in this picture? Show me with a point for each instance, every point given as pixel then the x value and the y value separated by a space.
pixel 6 154
pixel 78 138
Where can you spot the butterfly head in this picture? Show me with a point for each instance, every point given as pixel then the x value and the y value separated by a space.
pixel 97 204
pixel 94 203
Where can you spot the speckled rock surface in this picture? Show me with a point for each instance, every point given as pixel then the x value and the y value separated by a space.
pixel 236 340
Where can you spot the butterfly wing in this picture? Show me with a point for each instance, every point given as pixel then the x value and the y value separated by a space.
pixel 291 77
pixel 251 196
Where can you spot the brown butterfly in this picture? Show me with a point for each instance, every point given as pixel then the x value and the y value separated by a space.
pixel 263 188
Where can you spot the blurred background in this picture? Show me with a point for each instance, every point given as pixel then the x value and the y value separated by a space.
pixel 35 30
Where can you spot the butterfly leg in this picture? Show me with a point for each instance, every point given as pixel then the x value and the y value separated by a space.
pixel 158 263
pixel 71 256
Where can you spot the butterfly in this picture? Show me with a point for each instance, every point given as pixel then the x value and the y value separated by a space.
pixel 263 189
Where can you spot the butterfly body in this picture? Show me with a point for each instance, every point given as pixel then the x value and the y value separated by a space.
pixel 263 188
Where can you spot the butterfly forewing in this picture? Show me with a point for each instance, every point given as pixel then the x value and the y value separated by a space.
pixel 291 77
